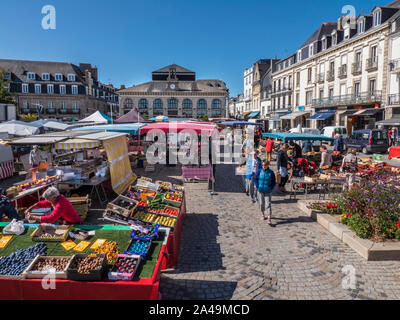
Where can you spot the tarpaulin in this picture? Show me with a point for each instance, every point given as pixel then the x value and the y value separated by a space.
pixel 120 167
pixel 77 144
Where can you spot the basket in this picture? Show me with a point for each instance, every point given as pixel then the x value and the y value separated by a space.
pixel 94 275
pixel 114 275
pixel 31 274
pixel 60 233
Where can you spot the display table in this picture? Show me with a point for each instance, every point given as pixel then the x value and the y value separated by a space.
pixel 394 152
pixel 144 288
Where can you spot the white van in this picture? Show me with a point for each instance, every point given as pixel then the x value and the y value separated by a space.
pixel 331 132
pixel 308 131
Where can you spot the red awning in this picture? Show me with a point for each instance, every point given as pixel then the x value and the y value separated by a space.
pixel 205 128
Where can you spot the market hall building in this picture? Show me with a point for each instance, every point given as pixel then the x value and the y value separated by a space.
pixel 175 92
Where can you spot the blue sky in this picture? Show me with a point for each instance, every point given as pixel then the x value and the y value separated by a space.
pixel 128 39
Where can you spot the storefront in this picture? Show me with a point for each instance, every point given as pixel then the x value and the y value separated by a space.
pixel 321 119
pixel 293 120
pixel 359 119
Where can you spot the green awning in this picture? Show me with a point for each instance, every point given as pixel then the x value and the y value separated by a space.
pixel 254 115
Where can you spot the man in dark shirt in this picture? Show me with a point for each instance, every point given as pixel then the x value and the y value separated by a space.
pixel 298 153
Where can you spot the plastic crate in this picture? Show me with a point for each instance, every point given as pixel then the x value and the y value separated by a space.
pixel 114 275
pixel 94 275
pixel 135 236
pixel 145 245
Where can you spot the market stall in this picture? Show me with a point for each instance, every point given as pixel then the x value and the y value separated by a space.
pixel 394 152
pixel 152 204
pixel 96 263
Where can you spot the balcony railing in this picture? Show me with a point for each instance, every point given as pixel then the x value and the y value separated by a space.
pixel 357 68
pixel 372 64
pixel 395 66
pixel 50 110
pixel 321 77
pixel 75 111
pixel 63 111
pixel 362 98
pixel 330 75
pixel 394 99
pixel 342 73
pixel 25 111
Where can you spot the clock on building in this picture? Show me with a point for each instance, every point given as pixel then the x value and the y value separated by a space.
pixel 172 86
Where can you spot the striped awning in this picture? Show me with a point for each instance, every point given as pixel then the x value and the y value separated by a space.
pixel 77 144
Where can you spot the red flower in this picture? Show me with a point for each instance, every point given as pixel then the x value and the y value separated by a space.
pixel 398 225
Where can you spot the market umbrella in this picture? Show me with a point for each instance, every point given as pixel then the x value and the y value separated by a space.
pixel 132 116
pixel 50 124
pixel 198 127
pixel 240 123
pixel 159 119
pixel 19 128
pixel 97 117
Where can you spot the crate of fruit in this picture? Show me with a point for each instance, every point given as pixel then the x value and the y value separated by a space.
pixel 125 267
pixel 165 221
pixel 50 233
pixel 164 185
pixel 43 266
pixel 123 205
pixel 178 188
pixel 115 217
pixel 87 268
pixel 145 234
pixel 144 216
pixel 174 199
pixel 138 247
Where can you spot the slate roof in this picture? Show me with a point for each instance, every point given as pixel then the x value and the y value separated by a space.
pixel 178 69
pixel 394 4
pixel 324 29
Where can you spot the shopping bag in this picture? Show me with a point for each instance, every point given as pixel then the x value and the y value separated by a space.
pixel 278 178
pixel 14 227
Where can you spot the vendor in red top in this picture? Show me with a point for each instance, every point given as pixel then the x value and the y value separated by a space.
pixel 62 209
pixel 269 146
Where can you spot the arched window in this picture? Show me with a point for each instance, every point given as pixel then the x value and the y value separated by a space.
pixel 143 105
pixel 158 107
pixel 187 107
pixel 201 107
pixel 216 108
pixel 172 107
pixel 128 104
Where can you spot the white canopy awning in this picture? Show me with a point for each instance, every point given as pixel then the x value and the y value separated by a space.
pixel 295 115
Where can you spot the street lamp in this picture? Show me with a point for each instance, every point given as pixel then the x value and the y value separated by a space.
pixel 39 109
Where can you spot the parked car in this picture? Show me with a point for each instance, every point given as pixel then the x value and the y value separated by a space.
pixel 331 132
pixel 368 141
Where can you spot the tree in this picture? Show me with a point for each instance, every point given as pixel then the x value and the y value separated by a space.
pixel 5 96
pixel 30 117
pixel 204 118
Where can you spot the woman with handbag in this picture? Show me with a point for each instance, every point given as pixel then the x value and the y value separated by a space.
pixel 282 164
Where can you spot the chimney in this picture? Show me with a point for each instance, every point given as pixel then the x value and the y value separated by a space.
pixel 339 24
pixel 94 73
pixel 122 87
pixel 88 76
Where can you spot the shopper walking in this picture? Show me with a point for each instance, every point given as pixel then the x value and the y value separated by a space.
pixel 339 143
pixel 282 165
pixel 265 182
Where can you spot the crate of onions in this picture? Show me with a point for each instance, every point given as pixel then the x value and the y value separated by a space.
pixel 87 268
pixel 43 266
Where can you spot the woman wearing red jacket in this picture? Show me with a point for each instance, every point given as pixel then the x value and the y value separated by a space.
pixel 62 209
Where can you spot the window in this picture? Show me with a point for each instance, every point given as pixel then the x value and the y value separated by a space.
pixel 324 44
pixel 50 105
pixel 143 105
pixel 331 92
pixel 31 76
pixel 172 104
pixel 71 77
pixel 309 79
pixel 45 76
pixel 299 56
pixel 63 105
pixel 128 104
pixel 289 101
pixel 26 105
pixel 290 82
pixel 361 26
pixel 374 53
pixel 38 88
pixel 311 50
pixel 201 107
pixel 297 99
pixel 358 56
pixel 216 104
pixel 308 97
pixel 74 89
pixel 334 39
pixel 50 89
pixel 298 79
pixel 357 86
pixel 75 106
pixel 377 18
pixel 321 93
pixel 58 77
pixel 372 85
pixel 63 89
pixel 187 106
pixel 25 88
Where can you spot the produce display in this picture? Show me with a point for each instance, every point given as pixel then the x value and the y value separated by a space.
pixel 165 221
pixel 142 233
pixel 110 249
pixel 115 217
pixel 174 197
pixel 45 263
pixel 144 216
pixel 125 267
pixel 171 211
pixel 34 184
pixel 15 264
pixel 85 264
pixel 164 185
pixel 128 205
pixel 139 247
pixel 47 232
pixel 143 204
pixel 178 188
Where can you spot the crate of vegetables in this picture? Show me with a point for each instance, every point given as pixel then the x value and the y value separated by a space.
pixel 125 267
pixel 171 212
pixel 115 217
pixel 87 268
pixel 123 205
pixel 174 199
pixel 164 185
pixel 43 266
pixel 145 234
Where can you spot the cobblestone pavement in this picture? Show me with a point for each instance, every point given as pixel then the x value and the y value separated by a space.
pixel 228 252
